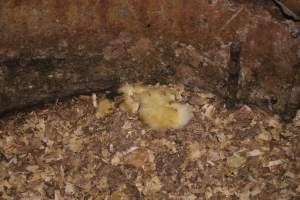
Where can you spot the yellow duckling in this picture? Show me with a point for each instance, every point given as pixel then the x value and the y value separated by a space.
pixel 156 106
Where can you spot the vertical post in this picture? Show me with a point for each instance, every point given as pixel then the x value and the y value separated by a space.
pixel 293 103
pixel 234 68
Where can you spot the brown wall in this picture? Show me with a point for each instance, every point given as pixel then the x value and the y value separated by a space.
pixel 42 28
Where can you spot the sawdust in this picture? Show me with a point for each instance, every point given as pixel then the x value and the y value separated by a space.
pixel 63 151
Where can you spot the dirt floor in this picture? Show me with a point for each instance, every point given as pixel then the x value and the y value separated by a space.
pixel 62 151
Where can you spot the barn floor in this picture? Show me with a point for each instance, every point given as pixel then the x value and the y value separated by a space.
pixel 62 151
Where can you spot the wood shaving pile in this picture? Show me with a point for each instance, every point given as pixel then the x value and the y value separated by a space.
pixel 63 151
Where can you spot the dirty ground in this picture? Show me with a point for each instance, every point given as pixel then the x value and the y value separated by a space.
pixel 62 151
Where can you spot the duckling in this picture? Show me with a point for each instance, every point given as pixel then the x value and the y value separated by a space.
pixel 130 103
pixel 104 108
pixel 162 117
pixel 156 106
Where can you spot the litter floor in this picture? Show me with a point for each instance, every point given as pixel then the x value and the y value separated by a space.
pixel 62 151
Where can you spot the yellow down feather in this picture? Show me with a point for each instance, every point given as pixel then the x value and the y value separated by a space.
pixel 104 108
pixel 156 106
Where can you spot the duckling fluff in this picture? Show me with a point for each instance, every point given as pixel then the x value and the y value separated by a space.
pixel 156 106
